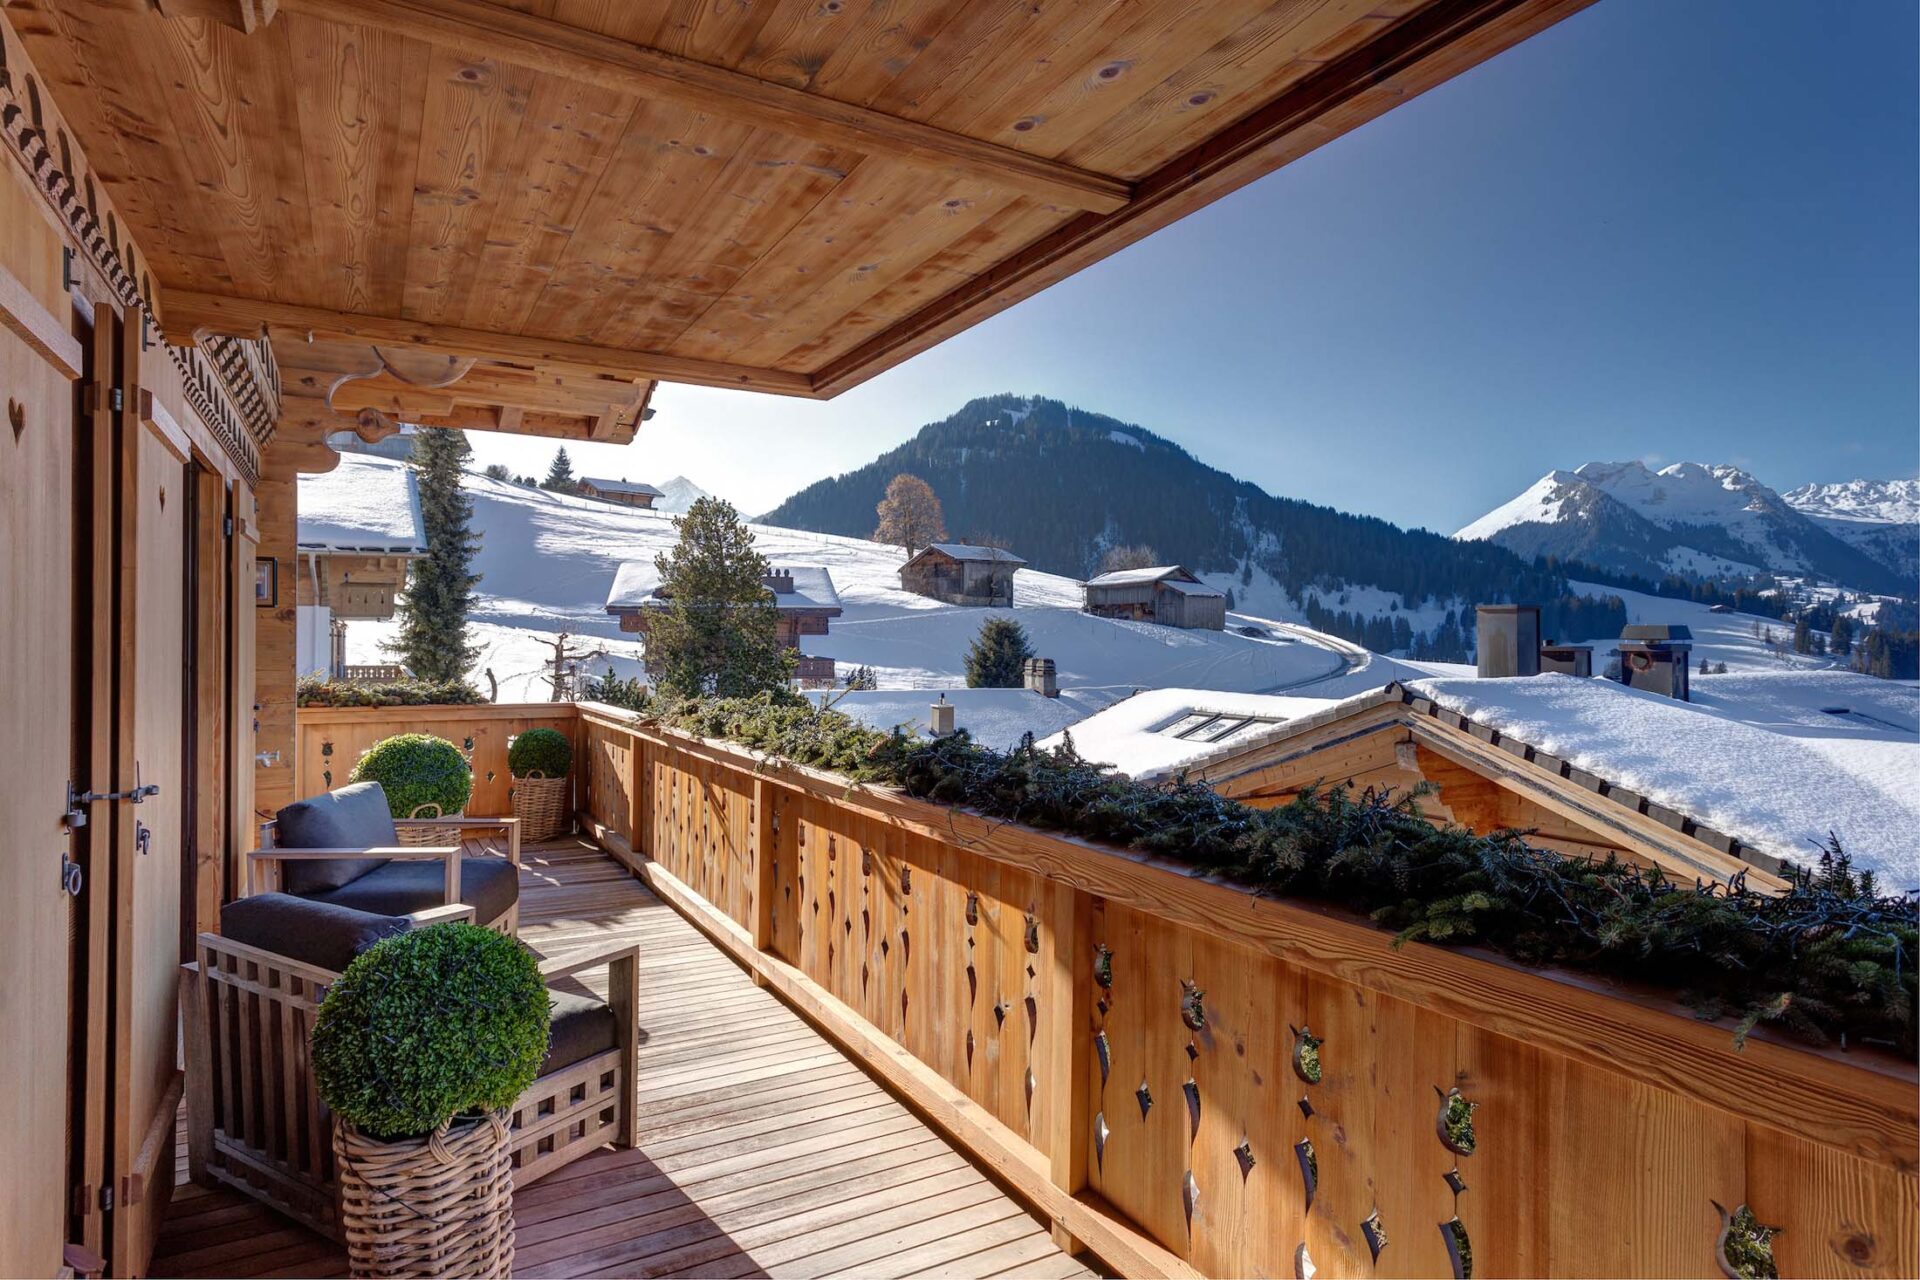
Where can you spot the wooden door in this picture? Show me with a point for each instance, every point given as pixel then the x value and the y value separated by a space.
pixel 149 703
pixel 40 359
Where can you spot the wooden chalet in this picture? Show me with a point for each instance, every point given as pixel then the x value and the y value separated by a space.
pixel 1169 595
pixel 628 493
pixel 232 229
pixel 803 595
pixel 359 529
pixel 960 573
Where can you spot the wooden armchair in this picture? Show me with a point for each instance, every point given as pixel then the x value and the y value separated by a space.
pixel 342 847
pixel 255 1121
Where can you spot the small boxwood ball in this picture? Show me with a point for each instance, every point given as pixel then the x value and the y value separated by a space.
pixel 416 769
pixel 545 751
pixel 428 1025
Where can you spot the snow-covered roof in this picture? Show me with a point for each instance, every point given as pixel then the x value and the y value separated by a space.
pixel 620 486
pixel 1126 577
pixel 967 551
pixel 365 504
pixel 636 586
pixel 1160 732
pixel 1778 793
pixel 1192 588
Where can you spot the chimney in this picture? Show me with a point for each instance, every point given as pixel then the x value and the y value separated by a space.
pixel 941 717
pixel 1508 640
pixel 1567 659
pixel 1655 657
pixel 1040 677
pixel 780 582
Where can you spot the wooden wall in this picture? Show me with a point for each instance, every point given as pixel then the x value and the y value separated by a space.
pixel 1119 1041
pixel 332 740
pixel 276 759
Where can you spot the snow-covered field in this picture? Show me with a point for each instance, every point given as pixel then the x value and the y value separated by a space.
pixel 547 560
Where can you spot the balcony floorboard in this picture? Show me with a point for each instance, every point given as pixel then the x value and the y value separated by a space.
pixel 764 1150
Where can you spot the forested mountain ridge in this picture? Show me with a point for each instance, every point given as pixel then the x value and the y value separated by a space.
pixel 1060 485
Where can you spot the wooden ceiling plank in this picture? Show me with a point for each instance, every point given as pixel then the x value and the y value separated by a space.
pixel 560 49
pixel 188 314
pixel 1447 37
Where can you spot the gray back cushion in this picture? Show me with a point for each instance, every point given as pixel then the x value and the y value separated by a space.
pixel 354 817
pixel 315 933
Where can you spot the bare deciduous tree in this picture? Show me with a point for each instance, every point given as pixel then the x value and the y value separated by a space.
pixel 910 515
pixel 1129 555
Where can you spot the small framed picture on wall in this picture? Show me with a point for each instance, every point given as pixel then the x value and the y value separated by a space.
pixel 266 583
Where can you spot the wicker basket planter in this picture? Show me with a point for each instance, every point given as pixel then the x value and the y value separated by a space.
pixel 435 1206
pixel 423 836
pixel 542 805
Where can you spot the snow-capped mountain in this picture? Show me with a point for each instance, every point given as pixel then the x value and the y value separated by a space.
pixel 677 494
pixel 1880 517
pixel 1702 521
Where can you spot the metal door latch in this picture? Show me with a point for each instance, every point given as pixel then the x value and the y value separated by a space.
pixel 142 838
pixel 76 814
pixel 71 877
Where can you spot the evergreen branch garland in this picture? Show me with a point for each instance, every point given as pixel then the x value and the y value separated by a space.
pixel 1832 958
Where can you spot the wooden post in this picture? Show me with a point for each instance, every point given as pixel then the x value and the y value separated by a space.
pixel 623 997
pixel 199 1074
pixel 639 811
pixel 763 854
pixel 1062 1130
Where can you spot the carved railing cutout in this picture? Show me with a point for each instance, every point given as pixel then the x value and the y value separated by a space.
pixel 1454 1124
pixel 1375 1233
pixel 1309 1170
pixel 1306 1055
pixel 1459 1248
pixel 1744 1249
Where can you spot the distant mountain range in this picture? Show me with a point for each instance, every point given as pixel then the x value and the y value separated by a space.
pixel 1713 522
pixel 677 494
pixel 1062 485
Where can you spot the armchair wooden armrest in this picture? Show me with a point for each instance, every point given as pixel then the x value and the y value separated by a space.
pixel 414 852
pixel 623 997
pixel 451 913
pixel 568 963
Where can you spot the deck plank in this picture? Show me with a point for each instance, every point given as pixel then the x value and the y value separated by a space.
pixel 764 1150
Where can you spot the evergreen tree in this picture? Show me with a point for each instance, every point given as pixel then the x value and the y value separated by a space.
pixel 997 655
pixel 1842 642
pixel 432 640
pixel 1802 636
pixel 560 473
pixel 910 515
pixel 718 634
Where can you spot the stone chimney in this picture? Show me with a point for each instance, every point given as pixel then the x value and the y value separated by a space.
pixel 1508 640
pixel 1040 677
pixel 940 717
pixel 780 582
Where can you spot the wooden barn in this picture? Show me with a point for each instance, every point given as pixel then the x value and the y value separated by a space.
pixel 1169 595
pixel 628 493
pixel 961 573
pixel 804 595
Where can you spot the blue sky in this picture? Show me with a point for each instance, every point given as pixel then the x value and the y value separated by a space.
pixel 1666 230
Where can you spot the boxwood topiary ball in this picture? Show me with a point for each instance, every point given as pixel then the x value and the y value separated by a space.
pixel 428 1025
pixel 545 750
pixel 417 769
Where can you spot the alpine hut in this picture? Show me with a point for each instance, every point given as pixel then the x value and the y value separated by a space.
pixel 1169 595
pixel 961 573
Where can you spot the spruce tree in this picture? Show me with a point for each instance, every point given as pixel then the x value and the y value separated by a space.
pixel 997 655
pixel 560 473
pixel 718 634
pixel 432 640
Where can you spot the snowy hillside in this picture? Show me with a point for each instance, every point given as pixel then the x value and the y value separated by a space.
pixel 546 562
pixel 1708 521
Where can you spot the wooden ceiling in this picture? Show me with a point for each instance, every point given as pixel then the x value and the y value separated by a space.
pixel 789 196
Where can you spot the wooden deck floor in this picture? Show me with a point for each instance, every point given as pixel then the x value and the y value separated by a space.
pixel 764 1150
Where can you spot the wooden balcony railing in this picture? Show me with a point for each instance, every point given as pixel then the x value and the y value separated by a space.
pixel 1127 1044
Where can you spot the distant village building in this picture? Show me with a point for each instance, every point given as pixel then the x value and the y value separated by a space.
pixel 804 595
pixel 960 573
pixel 627 493
pixel 1169 595
pixel 359 527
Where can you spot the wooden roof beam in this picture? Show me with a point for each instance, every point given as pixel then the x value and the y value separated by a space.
pixel 188 315
pixel 559 48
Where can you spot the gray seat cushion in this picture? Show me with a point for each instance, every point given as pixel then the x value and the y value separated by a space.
pixel 317 933
pixel 582 1027
pixel 353 817
pixel 487 884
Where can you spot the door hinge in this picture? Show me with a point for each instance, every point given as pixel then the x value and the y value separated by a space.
pixel 106 1198
pixel 66 269
pixel 226 526
pixel 119 400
